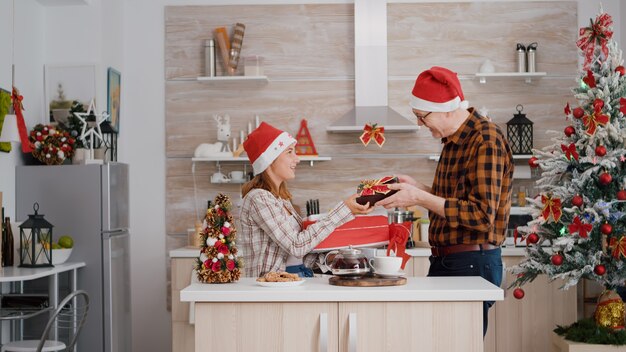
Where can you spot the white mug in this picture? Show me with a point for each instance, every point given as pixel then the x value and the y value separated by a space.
pixel 386 265
pixel 219 177
pixel 236 175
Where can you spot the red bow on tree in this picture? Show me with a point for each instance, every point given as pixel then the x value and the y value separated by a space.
pixel 619 247
pixel 551 207
pixel 16 98
pixel 598 33
pixel 570 151
pixel 622 105
pixel 590 80
pixel 373 132
pixel 567 110
pixel 597 118
pixel 580 227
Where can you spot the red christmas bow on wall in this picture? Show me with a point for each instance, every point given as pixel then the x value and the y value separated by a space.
pixel 551 207
pixel 375 132
pixel 371 187
pixel 570 151
pixel 597 118
pixel 580 227
pixel 619 247
pixel 598 33
pixel 16 98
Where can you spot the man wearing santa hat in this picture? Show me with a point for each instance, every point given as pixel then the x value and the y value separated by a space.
pixel 272 238
pixel 470 199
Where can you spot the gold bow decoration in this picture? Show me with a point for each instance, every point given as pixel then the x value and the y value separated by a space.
pixel 375 132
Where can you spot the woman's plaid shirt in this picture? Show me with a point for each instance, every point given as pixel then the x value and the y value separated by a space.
pixel 474 175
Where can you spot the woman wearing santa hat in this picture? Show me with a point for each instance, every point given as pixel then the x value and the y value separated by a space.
pixel 272 238
pixel 470 199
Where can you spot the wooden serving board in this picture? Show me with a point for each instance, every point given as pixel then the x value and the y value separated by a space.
pixel 367 281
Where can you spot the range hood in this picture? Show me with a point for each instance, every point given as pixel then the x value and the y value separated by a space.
pixel 370 74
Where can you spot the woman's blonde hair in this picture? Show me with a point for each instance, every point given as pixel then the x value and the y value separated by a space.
pixel 263 181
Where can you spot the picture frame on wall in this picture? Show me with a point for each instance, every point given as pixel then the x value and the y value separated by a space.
pixel 65 84
pixel 114 86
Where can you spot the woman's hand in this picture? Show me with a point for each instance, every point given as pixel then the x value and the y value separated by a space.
pixel 357 208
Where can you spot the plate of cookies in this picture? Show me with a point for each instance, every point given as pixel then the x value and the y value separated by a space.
pixel 279 279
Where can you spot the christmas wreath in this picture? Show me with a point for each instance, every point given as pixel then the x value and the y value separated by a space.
pixel 218 262
pixel 51 145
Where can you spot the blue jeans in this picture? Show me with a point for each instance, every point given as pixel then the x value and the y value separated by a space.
pixel 301 270
pixel 487 264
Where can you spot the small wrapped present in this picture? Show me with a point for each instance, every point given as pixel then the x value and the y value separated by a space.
pixel 374 190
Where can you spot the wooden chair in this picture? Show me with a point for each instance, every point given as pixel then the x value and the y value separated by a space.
pixel 69 316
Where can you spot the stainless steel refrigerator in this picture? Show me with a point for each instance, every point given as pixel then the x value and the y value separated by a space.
pixel 89 203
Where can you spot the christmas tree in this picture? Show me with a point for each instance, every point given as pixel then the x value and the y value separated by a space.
pixel 218 262
pixel 580 210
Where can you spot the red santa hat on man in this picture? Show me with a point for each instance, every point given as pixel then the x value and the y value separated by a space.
pixel 438 90
pixel 264 145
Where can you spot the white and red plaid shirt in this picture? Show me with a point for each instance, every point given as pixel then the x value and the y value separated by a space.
pixel 271 231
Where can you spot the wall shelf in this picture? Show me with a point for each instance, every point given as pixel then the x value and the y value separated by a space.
pixel 527 76
pixel 515 157
pixel 259 79
pixel 218 159
pixel 520 210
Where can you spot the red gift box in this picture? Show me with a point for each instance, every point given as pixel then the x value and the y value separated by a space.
pixel 362 231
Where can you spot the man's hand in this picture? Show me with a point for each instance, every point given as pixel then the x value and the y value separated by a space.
pixel 406 196
pixel 411 181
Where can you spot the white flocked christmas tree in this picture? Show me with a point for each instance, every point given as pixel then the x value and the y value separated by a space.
pixel 582 202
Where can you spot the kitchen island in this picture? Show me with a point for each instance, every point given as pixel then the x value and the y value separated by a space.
pixel 428 313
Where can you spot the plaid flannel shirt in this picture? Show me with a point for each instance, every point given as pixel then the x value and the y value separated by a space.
pixel 474 175
pixel 271 230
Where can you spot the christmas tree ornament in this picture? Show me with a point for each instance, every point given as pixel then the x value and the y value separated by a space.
pixel 620 70
pixel 579 112
pixel 569 131
pixel 610 310
pixel 600 150
pixel 570 151
pixel 605 178
pixel 599 269
pixel 557 259
pixel 618 247
pixel 567 110
pixel 532 238
pixel 518 293
pixel 590 80
pixel 551 208
pixel 596 118
pixel 622 105
pixel 532 162
pixel 621 195
pixel 597 34
pixel 606 229
pixel 577 226
pixel 577 200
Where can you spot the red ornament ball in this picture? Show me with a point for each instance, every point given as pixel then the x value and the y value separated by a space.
pixel 518 293
pixel 569 131
pixel 533 162
pixel 579 112
pixel 600 150
pixel 605 179
pixel 532 238
pixel 577 201
pixel 621 195
pixel 599 269
pixel 557 259
pixel 620 70
pixel 606 229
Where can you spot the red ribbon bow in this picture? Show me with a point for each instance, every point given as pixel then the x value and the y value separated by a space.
pixel 16 98
pixel 398 235
pixel 552 207
pixel 598 33
pixel 373 132
pixel 570 151
pixel 622 105
pixel 567 110
pixel 371 187
pixel 619 247
pixel 580 227
pixel 590 80
pixel 597 118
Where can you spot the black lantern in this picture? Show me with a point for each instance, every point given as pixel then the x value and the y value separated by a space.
pixel 109 141
pixel 519 132
pixel 36 241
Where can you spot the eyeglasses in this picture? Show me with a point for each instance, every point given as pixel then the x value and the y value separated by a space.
pixel 421 118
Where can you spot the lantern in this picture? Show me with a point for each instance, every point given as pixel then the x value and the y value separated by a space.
pixel 519 131
pixel 36 241
pixel 109 137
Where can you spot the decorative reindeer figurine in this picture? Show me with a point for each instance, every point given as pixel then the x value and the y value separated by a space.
pixel 223 131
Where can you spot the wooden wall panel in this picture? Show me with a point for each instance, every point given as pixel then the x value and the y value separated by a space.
pixel 309 61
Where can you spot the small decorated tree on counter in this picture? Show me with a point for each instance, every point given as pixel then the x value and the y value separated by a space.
pixel 581 207
pixel 218 262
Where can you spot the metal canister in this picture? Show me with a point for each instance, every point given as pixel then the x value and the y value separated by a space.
pixel 521 57
pixel 209 58
pixel 531 56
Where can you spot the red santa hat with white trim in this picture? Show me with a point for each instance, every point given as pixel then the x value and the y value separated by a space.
pixel 264 145
pixel 438 90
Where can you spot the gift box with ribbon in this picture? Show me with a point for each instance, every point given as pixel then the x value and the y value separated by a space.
pixel 374 190
pixel 362 231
